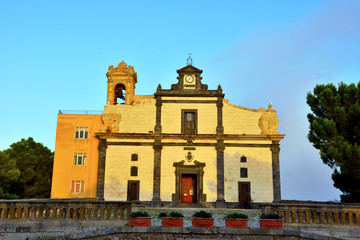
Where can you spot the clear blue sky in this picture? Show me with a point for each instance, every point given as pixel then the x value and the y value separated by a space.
pixel 54 55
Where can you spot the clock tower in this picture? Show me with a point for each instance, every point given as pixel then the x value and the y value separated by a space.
pixel 189 79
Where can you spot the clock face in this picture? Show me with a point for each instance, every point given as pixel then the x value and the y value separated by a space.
pixel 189 79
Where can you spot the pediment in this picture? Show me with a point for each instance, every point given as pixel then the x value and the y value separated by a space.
pixel 189 68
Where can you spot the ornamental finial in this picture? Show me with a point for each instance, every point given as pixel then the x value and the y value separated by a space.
pixel 189 60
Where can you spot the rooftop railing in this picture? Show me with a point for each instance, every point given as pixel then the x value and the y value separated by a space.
pixel 81 112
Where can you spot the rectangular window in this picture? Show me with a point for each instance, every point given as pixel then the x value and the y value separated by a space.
pixel 243 172
pixel 134 157
pixel 189 121
pixel 80 159
pixel 81 132
pixel 134 171
pixel 77 186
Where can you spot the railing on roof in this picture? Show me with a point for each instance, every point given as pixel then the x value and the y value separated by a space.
pixel 82 112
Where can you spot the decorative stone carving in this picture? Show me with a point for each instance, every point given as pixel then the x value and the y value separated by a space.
pixel 268 121
pixel 111 118
pixel 122 69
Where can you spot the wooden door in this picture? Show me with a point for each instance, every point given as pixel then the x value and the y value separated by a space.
pixel 244 192
pixel 188 194
pixel 133 191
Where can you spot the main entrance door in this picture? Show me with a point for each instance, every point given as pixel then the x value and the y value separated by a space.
pixel 188 188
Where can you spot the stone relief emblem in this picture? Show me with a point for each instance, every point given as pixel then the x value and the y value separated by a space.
pixel 189 157
pixel 111 119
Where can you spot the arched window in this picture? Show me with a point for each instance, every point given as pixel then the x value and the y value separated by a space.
pixel 119 96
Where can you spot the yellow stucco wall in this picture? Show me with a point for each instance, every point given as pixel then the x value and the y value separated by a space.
pixel 138 118
pixel 239 120
pixel 206 116
pixel 65 146
pixel 259 165
pixel 117 171
pixel 170 154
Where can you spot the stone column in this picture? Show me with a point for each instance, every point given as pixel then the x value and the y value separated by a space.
pixel 158 127
pixel 219 104
pixel 156 201
pixel 101 170
pixel 220 147
pixel 275 149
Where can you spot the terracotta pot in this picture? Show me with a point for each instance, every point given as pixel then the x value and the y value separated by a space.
pixel 271 223
pixel 172 222
pixel 203 222
pixel 140 222
pixel 236 223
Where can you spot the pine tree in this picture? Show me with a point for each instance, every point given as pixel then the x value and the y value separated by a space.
pixel 335 131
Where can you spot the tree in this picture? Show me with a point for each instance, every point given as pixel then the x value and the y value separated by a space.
pixel 35 162
pixel 9 174
pixel 335 131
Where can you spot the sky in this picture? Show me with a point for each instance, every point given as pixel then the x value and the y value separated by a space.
pixel 54 56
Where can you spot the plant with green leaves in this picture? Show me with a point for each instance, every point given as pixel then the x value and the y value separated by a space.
pixel 270 216
pixel 172 214
pixel 236 215
pixel 139 214
pixel 335 131
pixel 202 214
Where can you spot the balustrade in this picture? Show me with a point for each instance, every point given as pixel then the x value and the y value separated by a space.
pixel 63 210
pixel 310 213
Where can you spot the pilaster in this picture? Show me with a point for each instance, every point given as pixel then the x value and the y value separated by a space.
pixel 156 201
pixel 158 104
pixel 101 169
pixel 275 149
pixel 220 147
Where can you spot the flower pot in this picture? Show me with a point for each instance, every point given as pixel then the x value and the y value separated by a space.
pixel 140 222
pixel 236 223
pixel 172 222
pixel 203 222
pixel 271 223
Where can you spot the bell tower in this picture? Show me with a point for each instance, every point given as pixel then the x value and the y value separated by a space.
pixel 121 84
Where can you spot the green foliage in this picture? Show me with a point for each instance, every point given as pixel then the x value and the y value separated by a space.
pixel 236 215
pixel 176 214
pixel 9 174
pixel 32 170
pixel 202 214
pixel 335 131
pixel 139 214
pixel 270 216
pixel 171 214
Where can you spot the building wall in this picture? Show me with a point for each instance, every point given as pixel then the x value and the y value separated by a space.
pixel 240 120
pixel 259 165
pixel 117 171
pixel 65 146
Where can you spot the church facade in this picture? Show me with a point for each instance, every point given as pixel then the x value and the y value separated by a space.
pixel 186 145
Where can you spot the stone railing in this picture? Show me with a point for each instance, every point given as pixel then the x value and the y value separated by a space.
pixel 308 212
pixel 64 209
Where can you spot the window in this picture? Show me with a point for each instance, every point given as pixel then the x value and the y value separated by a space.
pixel 243 172
pixel 134 157
pixel 134 171
pixel 243 158
pixel 81 132
pixel 189 121
pixel 77 186
pixel 80 159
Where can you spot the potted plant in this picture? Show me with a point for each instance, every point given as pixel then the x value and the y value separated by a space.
pixel 139 219
pixel 271 220
pixel 173 219
pixel 236 220
pixel 202 219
